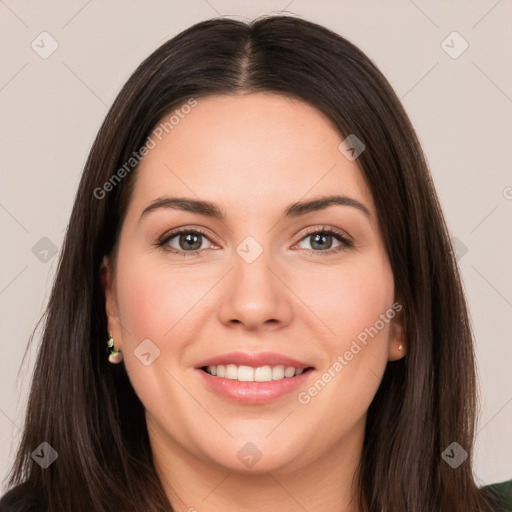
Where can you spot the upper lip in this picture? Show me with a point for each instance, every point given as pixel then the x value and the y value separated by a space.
pixel 253 359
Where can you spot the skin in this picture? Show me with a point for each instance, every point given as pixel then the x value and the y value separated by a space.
pixel 253 155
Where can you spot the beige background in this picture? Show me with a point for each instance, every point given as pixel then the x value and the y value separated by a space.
pixel 461 107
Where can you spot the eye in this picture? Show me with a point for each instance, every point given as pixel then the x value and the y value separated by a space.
pixel 325 240
pixel 185 241
pixel 190 242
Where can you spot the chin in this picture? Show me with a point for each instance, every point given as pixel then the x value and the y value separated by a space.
pixel 254 458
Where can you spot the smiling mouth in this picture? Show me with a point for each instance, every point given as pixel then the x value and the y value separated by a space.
pixel 244 373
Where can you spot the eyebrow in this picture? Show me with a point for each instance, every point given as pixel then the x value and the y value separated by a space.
pixel 297 209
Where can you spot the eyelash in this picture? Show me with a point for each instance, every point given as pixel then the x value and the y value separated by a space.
pixel 166 237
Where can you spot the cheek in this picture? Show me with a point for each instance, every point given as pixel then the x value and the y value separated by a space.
pixel 350 298
pixel 153 299
pixel 361 318
pixel 151 304
pixel 361 302
pixel 352 301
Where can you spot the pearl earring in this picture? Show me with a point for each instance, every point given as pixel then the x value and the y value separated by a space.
pixel 115 356
pixel 400 347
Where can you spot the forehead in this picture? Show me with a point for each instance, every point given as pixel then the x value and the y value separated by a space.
pixel 257 151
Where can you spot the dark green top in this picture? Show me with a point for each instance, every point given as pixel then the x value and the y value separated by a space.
pixel 502 494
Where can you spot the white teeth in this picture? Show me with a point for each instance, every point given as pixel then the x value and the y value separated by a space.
pixel 245 373
pixel 231 372
pixel 278 372
pixel 263 374
pixel 249 374
pixel 289 372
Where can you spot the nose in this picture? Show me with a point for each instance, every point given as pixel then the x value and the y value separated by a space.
pixel 254 295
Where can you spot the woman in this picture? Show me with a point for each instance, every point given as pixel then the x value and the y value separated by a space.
pixel 257 243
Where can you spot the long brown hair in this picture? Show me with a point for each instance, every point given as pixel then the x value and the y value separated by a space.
pixel 87 409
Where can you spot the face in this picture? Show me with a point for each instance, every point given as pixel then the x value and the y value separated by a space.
pixel 253 276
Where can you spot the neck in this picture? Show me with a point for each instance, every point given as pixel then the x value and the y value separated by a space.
pixel 194 484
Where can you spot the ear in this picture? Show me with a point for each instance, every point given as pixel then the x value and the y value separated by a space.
pixel 107 279
pixel 397 336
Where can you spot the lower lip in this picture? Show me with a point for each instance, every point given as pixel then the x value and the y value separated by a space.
pixel 254 393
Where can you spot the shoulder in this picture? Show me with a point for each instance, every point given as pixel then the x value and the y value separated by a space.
pixel 22 499
pixel 500 493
